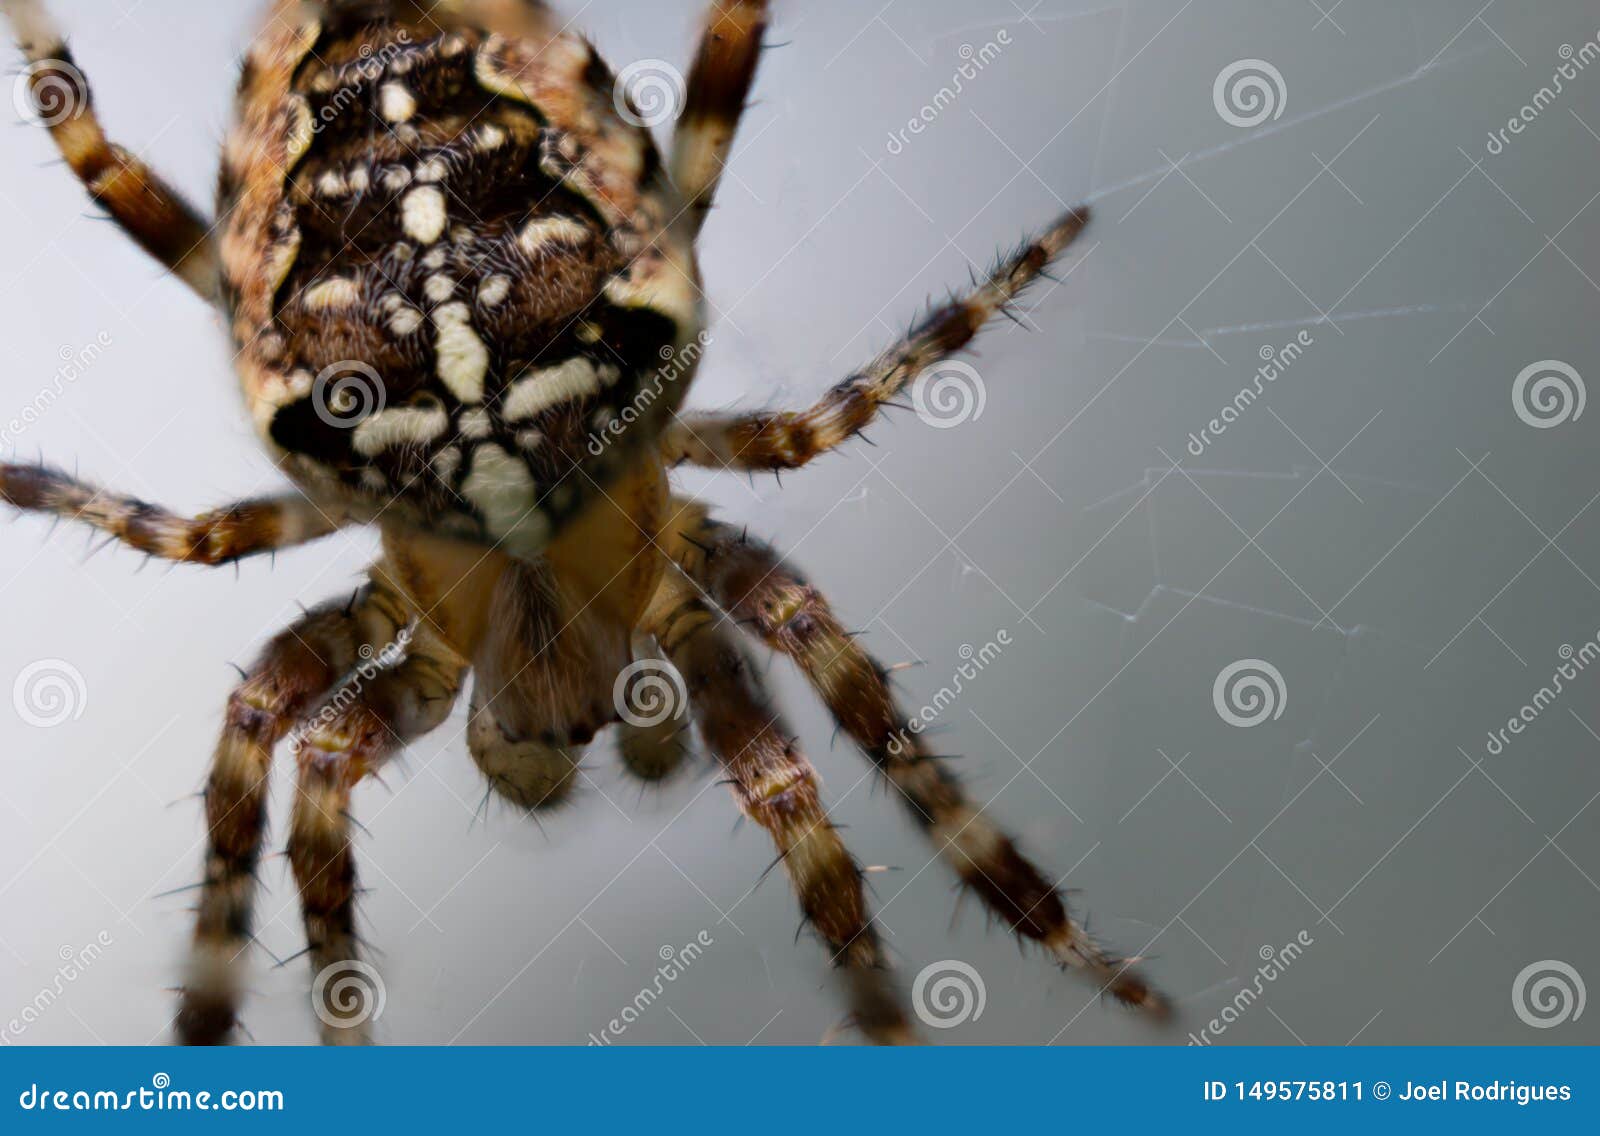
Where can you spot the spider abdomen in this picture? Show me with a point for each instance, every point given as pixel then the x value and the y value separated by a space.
pixel 447 261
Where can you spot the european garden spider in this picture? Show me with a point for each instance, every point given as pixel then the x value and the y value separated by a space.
pixel 463 292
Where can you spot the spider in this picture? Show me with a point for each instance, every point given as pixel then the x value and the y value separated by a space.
pixel 461 284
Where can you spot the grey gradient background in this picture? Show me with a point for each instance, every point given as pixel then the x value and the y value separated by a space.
pixel 1381 527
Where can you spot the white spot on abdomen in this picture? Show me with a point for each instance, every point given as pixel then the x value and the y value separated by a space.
pixel 332 184
pixel 423 214
pixel 405 321
pixel 540 390
pixel 493 291
pixel 537 236
pixel 462 356
pixel 398 427
pixel 475 424
pixel 395 103
pixel 439 288
pixel 335 292
pixel 446 462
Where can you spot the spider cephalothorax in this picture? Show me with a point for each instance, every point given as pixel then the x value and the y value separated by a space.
pixel 462 289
